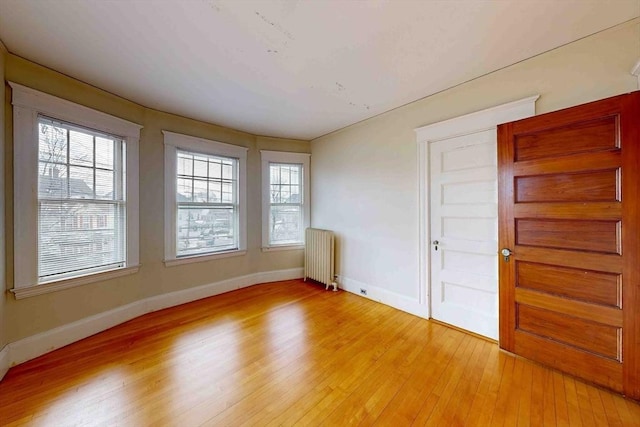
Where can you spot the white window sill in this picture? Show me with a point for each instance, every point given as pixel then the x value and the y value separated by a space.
pixel 202 258
pixel 58 285
pixel 282 248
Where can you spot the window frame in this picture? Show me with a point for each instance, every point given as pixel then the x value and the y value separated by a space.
pixel 90 200
pixel 173 142
pixel 28 105
pixel 284 157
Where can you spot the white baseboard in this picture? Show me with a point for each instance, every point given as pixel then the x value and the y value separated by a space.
pixel 4 361
pixel 401 302
pixel 36 345
pixel 171 299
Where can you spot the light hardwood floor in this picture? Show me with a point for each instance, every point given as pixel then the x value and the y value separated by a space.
pixel 290 353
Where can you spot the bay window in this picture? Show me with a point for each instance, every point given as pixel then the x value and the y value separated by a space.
pixel 285 199
pixel 75 194
pixel 204 199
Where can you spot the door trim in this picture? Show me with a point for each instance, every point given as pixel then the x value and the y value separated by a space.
pixel 478 121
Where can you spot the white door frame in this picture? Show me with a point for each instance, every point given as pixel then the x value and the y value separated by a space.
pixel 470 123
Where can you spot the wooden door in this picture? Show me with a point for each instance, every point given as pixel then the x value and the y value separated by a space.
pixel 568 211
pixel 464 222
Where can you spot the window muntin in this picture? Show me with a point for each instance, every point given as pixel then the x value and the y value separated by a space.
pixel 286 220
pixel 81 201
pixel 285 199
pixel 29 107
pixel 211 194
pixel 207 217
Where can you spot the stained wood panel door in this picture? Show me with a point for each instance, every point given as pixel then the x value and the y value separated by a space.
pixel 464 223
pixel 568 211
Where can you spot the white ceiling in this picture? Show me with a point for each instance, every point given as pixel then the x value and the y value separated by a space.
pixel 291 68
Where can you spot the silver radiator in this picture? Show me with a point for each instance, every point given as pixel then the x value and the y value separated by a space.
pixel 319 257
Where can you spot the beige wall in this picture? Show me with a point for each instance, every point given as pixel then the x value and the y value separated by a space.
pixel 365 177
pixel 36 314
pixel 3 295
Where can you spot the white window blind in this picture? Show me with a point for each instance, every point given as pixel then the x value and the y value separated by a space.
pixel 207 204
pixel 286 220
pixel 81 201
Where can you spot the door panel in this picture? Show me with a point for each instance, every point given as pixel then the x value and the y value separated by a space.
pixel 590 235
pixel 574 283
pixel 559 355
pixel 603 340
pixel 568 187
pixel 463 219
pixel 579 137
pixel 568 212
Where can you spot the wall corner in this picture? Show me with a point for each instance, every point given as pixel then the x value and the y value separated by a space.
pixel 636 71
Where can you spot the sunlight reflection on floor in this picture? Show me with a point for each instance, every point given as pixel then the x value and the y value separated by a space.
pixel 93 399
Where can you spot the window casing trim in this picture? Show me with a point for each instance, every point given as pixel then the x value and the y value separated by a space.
pixel 190 259
pixel 174 142
pixel 28 105
pixel 58 285
pixel 282 157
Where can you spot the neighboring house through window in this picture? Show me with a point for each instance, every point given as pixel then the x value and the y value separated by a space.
pixel 285 199
pixel 76 193
pixel 81 199
pixel 205 198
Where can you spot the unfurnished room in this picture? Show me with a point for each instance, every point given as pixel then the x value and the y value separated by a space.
pixel 320 213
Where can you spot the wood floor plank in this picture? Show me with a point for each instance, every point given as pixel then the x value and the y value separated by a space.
pixel 249 372
pixel 549 400
pixel 634 409
pixel 524 406
pixel 428 367
pixel 447 410
pixel 460 405
pixel 374 350
pixel 385 365
pixel 562 412
pixel 510 417
pixel 613 419
pixel 254 379
pixel 573 407
pixel 304 407
pixel 599 413
pixel 504 392
pixel 586 412
pixel 290 353
pixel 447 380
pixel 484 400
pixel 626 411
pixel 537 395
pixel 374 389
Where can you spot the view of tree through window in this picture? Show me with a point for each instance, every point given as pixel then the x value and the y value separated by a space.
pixel 207 199
pixel 286 215
pixel 81 203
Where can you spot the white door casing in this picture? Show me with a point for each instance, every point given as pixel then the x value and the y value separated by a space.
pixel 463 218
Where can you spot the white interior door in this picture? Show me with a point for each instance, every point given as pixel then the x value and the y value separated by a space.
pixel 464 222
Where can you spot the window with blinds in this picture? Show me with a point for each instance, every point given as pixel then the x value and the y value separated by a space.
pixel 207 204
pixel 81 201
pixel 286 221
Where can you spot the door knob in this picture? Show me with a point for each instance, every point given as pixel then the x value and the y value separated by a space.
pixel 506 253
pixel 435 244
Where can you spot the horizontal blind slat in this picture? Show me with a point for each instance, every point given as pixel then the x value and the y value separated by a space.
pixel 81 207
